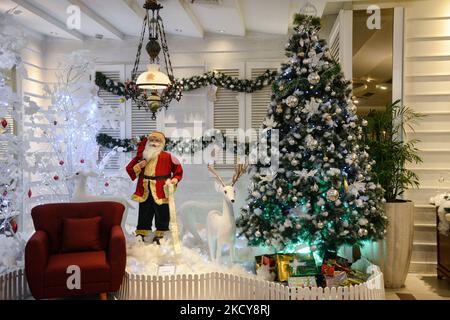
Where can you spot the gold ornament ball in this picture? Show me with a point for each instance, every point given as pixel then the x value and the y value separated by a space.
pixel 292 101
pixel 314 78
pixel 332 195
pixel 362 232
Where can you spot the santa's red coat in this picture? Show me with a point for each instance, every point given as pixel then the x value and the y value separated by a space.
pixel 167 165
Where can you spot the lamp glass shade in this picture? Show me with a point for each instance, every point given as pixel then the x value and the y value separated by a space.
pixel 153 79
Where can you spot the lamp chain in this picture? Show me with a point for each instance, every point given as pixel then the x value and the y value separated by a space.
pixel 138 54
pixel 167 60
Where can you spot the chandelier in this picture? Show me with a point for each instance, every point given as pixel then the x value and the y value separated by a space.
pixel 154 89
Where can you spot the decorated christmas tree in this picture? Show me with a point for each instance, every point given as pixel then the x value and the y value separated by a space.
pixel 323 192
pixel 12 146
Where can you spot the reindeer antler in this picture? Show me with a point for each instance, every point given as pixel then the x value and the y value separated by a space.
pixel 239 170
pixel 214 172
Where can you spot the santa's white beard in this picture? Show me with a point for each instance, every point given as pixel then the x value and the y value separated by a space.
pixel 151 152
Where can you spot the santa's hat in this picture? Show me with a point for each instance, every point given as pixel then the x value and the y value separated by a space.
pixel 141 146
pixel 159 135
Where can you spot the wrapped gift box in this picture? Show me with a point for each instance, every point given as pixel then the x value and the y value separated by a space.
pixel 337 280
pixel 267 260
pixel 302 282
pixel 295 265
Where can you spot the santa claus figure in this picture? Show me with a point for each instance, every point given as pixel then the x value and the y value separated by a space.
pixel 154 168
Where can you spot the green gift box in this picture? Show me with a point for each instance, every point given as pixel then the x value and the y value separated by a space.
pixel 295 265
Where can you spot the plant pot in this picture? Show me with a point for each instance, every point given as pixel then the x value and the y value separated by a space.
pixel 393 254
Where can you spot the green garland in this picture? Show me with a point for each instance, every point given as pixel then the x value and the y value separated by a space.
pixel 130 91
pixel 179 146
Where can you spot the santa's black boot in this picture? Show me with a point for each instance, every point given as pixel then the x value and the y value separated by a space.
pixel 141 235
pixel 158 236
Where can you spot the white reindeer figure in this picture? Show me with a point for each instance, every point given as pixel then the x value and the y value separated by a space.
pixel 221 226
pixel 81 195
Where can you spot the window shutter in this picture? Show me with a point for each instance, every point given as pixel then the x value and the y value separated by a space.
pixel 11 123
pixel 141 119
pixel 260 100
pixel 226 115
pixel 110 99
pixel 334 48
pixel 9 130
pixel 334 42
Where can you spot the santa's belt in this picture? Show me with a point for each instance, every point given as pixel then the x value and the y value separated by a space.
pixel 157 177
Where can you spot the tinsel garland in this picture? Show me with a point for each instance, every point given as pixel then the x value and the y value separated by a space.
pixel 130 91
pixel 179 146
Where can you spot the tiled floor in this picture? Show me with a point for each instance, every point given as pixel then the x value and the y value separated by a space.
pixel 421 287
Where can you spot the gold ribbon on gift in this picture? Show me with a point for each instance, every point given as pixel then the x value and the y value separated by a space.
pixel 169 189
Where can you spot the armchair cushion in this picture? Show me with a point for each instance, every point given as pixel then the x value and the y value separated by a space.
pixel 93 268
pixel 81 235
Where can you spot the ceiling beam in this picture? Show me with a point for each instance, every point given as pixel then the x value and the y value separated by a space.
pixel 44 15
pixel 98 19
pixel 136 8
pixel 192 17
pixel 240 13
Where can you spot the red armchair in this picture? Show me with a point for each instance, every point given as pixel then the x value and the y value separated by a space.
pixel 46 263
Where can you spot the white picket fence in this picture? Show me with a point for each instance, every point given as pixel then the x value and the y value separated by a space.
pixel 209 286
pixel 14 285
pixel 220 286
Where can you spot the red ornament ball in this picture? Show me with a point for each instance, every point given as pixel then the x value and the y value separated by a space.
pixel 4 123
pixel 14 225
pixel 106 184
pixel 30 193
pixel 61 162
pixel 56 178
pixel 82 160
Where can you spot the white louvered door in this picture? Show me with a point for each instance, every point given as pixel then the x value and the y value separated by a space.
pixel 258 101
pixel 8 117
pixel 116 73
pixel 139 121
pixel 228 114
pixel 340 41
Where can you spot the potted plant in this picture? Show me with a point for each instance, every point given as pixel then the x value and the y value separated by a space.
pixel 384 136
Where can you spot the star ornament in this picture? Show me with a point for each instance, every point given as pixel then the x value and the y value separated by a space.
pixel 270 123
pixel 295 264
pixel 311 108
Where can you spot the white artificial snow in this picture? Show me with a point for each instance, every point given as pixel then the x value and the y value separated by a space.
pixel 11 252
pixel 145 258
pixel 438 199
pixel 444 224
